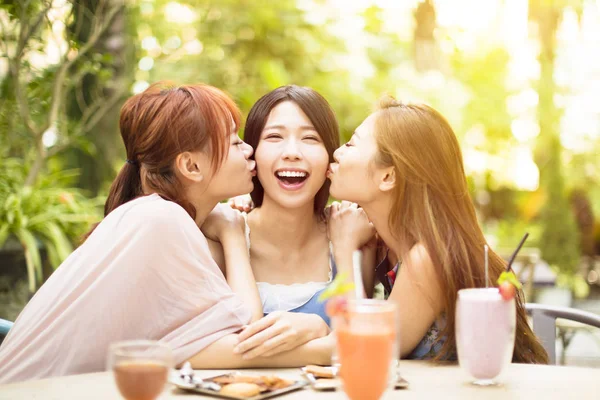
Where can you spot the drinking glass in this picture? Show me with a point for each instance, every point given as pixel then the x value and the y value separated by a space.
pixel 367 347
pixel 140 367
pixel 485 333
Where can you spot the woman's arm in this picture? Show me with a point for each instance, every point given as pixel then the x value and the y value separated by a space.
pixel 416 291
pixel 418 296
pixel 216 252
pixel 238 272
pixel 369 262
pixel 228 227
pixel 220 355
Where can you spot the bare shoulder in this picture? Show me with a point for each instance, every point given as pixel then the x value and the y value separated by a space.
pixel 419 257
pixel 421 269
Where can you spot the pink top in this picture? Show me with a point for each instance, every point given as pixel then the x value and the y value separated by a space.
pixel 145 273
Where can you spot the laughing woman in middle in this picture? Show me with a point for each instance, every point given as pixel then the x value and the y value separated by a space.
pixel 294 133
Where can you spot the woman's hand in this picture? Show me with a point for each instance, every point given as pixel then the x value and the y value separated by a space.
pixel 222 221
pixel 279 332
pixel 349 230
pixel 349 227
pixel 241 203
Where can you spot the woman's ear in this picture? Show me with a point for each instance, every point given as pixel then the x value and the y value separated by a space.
pixel 387 180
pixel 190 166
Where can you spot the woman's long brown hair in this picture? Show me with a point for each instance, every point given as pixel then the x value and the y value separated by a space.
pixel 432 206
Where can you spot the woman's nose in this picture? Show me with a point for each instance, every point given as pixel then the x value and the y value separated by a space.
pixel 337 153
pixel 291 150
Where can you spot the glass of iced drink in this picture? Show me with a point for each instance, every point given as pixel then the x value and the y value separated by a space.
pixel 367 347
pixel 140 367
pixel 485 333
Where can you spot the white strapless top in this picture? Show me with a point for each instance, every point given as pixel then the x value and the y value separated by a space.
pixel 281 297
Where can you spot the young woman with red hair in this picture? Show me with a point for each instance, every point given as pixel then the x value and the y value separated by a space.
pixel 145 271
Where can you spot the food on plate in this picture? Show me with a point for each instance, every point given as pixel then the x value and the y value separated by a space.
pixel 241 389
pixel 250 383
pixel 320 372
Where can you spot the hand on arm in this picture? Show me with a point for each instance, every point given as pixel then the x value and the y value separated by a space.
pixel 241 203
pixel 279 332
pixel 220 355
pixel 227 226
pixel 349 230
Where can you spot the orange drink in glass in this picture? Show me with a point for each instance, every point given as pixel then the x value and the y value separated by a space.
pixel 367 347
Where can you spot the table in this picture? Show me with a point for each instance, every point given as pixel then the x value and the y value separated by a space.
pixel 427 381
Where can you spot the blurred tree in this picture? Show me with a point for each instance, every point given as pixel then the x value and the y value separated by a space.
pixel 33 95
pixel 385 51
pixel 583 172
pixel 267 45
pixel 114 54
pixel 40 210
pixel 560 238
pixel 584 216
pixel 483 75
pixel 425 48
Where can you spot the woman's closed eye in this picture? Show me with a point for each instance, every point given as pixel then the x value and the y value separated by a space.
pixel 350 143
pixel 312 138
pixel 272 136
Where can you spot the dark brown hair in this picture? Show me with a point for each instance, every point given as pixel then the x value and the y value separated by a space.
pixel 318 111
pixel 161 123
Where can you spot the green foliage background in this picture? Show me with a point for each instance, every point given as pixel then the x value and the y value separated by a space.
pixel 248 47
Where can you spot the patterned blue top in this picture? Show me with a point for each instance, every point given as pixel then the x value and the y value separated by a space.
pixel 429 346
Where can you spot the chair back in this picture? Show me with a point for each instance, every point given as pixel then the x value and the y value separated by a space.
pixel 544 323
pixel 4 328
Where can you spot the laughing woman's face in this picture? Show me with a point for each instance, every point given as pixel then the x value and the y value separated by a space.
pixel 291 158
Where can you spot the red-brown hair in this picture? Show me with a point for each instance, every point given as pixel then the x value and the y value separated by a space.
pixel 163 122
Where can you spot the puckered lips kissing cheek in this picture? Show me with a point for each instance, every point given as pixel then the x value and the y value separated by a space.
pixel 252 167
pixel 291 178
pixel 333 167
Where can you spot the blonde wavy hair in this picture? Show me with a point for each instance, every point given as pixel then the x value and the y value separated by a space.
pixel 432 207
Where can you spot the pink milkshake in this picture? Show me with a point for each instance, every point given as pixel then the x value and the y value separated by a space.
pixel 485 333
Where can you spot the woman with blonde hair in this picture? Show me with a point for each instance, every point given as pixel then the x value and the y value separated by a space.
pixel 404 167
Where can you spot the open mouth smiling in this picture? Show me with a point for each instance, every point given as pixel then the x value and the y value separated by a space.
pixel 291 179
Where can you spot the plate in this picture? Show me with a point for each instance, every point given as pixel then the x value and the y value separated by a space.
pixel 207 386
pixel 327 384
